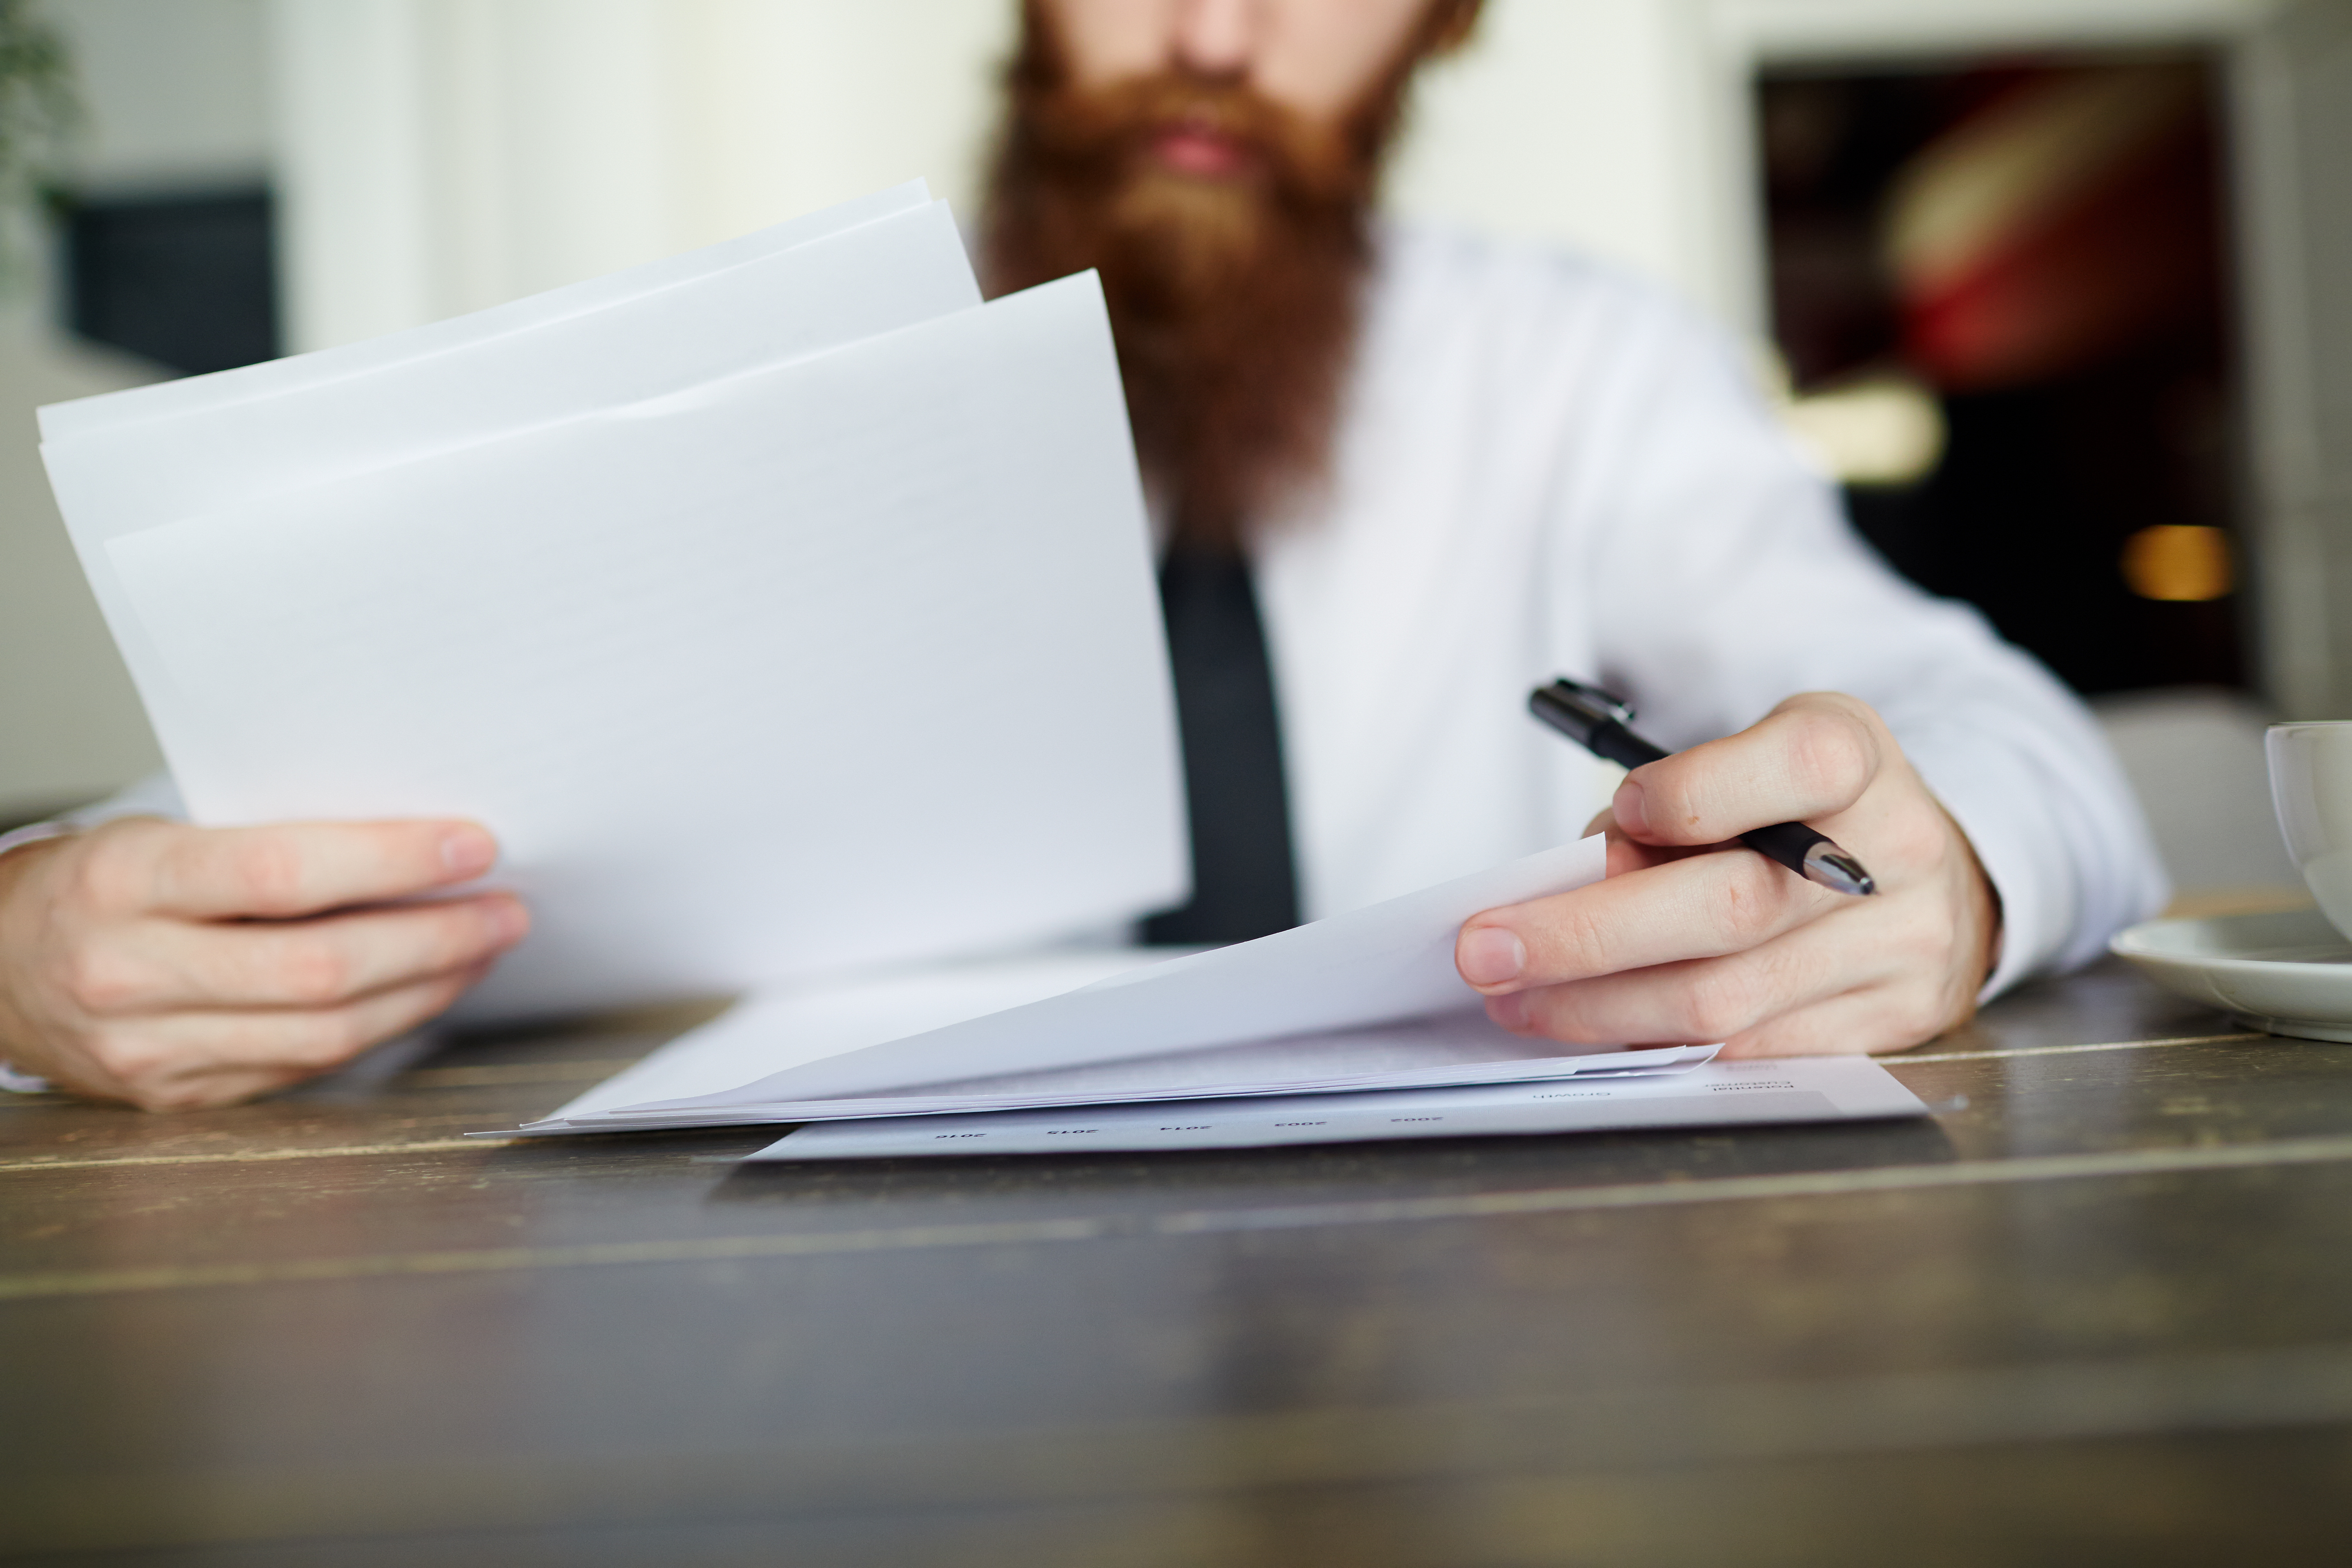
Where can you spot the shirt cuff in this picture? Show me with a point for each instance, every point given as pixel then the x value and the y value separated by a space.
pixel 11 1081
pixel 34 834
pixel 2031 926
pixel 2030 870
pixel 155 795
pixel 150 796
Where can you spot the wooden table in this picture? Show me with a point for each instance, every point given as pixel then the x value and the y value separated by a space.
pixel 2099 1310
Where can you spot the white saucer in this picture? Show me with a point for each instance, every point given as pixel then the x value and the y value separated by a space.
pixel 2283 973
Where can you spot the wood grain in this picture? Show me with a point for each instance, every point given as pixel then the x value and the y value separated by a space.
pixel 2100 1305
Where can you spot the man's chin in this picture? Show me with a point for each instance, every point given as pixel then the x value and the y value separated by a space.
pixel 1196 233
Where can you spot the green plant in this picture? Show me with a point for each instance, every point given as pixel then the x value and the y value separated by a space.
pixel 40 107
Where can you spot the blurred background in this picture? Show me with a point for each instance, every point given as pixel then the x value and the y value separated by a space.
pixel 2060 290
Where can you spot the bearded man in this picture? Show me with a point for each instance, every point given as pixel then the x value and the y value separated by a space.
pixel 1400 475
pixel 1432 470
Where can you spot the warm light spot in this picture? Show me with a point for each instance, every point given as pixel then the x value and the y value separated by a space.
pixel 2184 565
pixel 1885 430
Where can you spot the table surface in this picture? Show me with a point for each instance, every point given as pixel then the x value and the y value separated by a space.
pixel 2101 1304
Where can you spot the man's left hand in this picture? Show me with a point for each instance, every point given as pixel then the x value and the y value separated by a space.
pixel 1693 938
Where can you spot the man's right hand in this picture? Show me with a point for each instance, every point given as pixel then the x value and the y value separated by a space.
pixel 177 967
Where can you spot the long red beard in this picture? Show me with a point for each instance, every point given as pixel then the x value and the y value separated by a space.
pixel 1234 300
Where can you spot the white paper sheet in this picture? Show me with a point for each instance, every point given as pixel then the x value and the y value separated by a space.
pixel 849 661
pixel 1385 963
pixel 1421 1053
pixel 1717 1094
pixel 164 399
pixel 766 310
pixel 761 1034
pixel 329 415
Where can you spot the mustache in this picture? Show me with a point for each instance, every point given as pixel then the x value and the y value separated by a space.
pixel 1104 131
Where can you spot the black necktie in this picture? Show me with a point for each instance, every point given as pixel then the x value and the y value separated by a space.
pixel 1243 884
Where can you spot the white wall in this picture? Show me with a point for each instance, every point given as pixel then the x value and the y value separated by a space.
pixel 178 90
pixel 2295 124
pixel 441 156
pixel 177 93
pixel 1584 122
pixel 71 726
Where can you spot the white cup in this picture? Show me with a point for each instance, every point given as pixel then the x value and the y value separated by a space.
pixel 2311 786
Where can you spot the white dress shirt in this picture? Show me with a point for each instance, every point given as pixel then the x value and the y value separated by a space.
pixel 1545 468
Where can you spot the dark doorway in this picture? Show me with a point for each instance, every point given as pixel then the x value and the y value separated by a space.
pixel 188 281
pixel 2040 245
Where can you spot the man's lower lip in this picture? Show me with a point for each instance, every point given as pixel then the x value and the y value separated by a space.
pixel 1191 153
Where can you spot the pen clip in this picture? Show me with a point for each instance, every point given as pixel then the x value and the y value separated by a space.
pixel 1600 706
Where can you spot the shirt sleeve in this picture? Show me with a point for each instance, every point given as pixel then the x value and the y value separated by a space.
pixel 1733 581
pixel 154 796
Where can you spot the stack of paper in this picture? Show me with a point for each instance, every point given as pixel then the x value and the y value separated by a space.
pixel 787 612
pixel 782 607
pixel 1355 1027
pixel 1720 1094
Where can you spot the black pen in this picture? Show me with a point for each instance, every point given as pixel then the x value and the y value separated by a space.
pixel 1596 720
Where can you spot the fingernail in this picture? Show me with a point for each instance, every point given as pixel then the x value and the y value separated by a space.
pixel 1490 955
pixel 509 922
pixel 1632 810
pixel 468 851
pixel 1510 1012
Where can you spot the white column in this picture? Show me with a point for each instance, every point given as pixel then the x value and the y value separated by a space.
pixel 2294 98
pixel 442 156
pixel 791 105
pixel 1584 122
pixel 354 178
